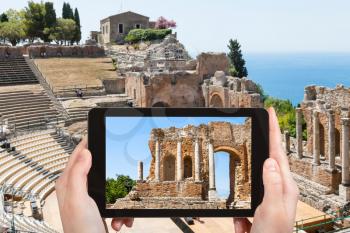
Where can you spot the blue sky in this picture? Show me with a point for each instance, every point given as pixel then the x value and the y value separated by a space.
pixel 260 26
pixel 127 143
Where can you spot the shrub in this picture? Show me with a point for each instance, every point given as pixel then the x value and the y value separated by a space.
pixel 286 115
pixel 137 35
pixel 118 188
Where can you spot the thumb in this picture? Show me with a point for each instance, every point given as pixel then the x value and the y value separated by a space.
pixel 273 187
pixel 77 182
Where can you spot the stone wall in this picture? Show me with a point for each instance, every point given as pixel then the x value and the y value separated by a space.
pixel 11 52
pixel 317 174
pixel 209 63
pixel 225 91
pixel 233 139
pixel 114 86
pixel 47 51
pixel 169 189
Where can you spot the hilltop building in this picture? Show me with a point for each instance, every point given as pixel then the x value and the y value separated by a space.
pixel 114 28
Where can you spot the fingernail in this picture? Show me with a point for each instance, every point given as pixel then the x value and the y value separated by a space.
pixel 270 165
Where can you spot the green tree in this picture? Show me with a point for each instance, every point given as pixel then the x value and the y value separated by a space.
pixel 49 20
pixel 64 31
pixel 286 115
pixel 35 20
pixel 67 11
pixel 3 18
pixel 77 35
pixel 13 30
pixel 118 188
pixel 237 66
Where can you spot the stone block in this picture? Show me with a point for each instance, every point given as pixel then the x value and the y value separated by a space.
pixel 344 192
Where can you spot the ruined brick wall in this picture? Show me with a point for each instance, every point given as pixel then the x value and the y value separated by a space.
pixel 209 63
pixel 11 52
pixel 231 138
pixel 47 51
pixel 175 89
pixel 318 174
pixel 169 189
pixel 225 91
pixel 114 86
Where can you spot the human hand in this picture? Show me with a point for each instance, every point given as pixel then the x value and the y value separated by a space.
pixel 78 211
pixel 276 213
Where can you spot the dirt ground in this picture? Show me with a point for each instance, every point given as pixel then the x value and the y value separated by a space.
pixel 64 72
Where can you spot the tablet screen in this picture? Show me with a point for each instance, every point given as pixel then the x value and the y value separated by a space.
pixel 178 162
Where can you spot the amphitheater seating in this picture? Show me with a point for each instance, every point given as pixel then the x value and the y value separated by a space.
pixel 14 71
pixel 25 224
pixel 27 108
pixel 41 157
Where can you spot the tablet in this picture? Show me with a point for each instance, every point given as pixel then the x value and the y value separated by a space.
pixel 168 162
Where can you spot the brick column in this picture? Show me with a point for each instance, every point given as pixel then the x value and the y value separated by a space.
pixel 157 164
pixel 316 138
pixel 197 162
pixel 331 140
pixel 140 170
pixel 299 133
pixel 287 142
pixel 344 188
pixel 179 170
pixel 212 186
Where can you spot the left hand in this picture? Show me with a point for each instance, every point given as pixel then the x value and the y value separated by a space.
pixel 79 212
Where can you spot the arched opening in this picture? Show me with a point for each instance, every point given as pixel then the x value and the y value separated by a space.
pixel 187 167
pixel 161 105
pixel 169 168
pixel 322 141
pixel 216 102
pixel 337 142
pixel 222 174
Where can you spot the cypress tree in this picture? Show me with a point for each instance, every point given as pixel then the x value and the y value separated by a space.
pixel 77 36
pixel 235 56
pixel 64 11
pixel 49 20
pixel 70 14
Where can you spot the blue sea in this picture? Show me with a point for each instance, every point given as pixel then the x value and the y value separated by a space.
pixel 285 75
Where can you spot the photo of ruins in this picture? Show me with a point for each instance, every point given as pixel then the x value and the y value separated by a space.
pixel 182 172
pixel 293 56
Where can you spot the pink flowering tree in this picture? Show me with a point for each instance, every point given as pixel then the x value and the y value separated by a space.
pixel 163 23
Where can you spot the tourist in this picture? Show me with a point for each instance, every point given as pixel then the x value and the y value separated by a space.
pixel 275 214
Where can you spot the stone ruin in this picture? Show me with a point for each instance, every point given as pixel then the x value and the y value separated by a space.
pixel 321 163
pixel 182 170
pixel 11 52
pixel 197 84
pixel 47 51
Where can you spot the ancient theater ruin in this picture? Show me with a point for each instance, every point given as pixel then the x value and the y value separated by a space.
pixel 321 162
pixel 182 170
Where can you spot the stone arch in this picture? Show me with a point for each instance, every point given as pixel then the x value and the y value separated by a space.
pixel 216 101
pixel 169 168
pixel 322 140
pixel 161 104
pixel 188 167
pixel 337 142
pixel 236 161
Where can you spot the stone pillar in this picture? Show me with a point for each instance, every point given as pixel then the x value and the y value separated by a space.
pixel 140 170
pixel 179 169
pixel 287 142
pixel 331 140
pixel 345 152
pixel 316 138
pixel 344 188
pixel 212 186
pixel 299 133
pixel 197 162
pixel 157 164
